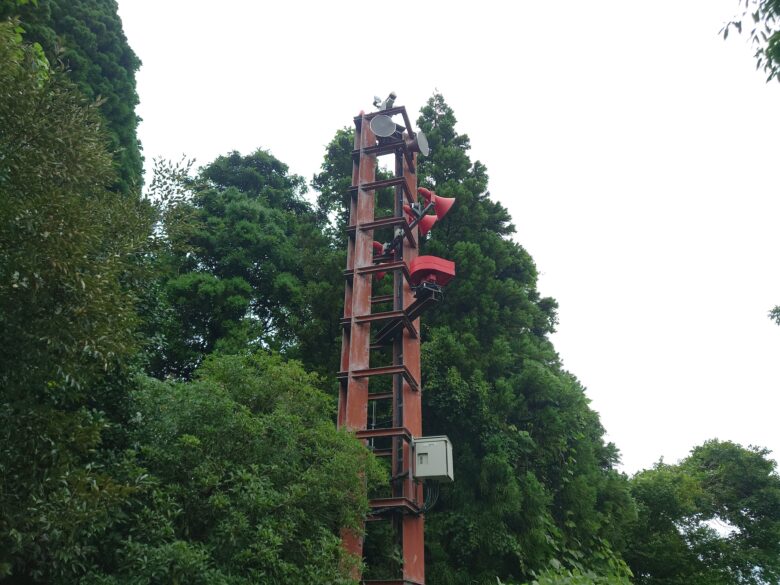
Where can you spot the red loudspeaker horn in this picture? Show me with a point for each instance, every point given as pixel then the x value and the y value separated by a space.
pixel 441 205
pixel 379 249
pixel 426 223
pixel 424 193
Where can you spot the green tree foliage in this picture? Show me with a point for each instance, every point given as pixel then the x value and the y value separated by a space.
pixel 67 247
pixel 237 477
pixel 562 576
pixel 87 36
pixel 712 519
pixel 333 182
pixel 536 482
pixel 248 266
pixel 762 18
pixel 240 477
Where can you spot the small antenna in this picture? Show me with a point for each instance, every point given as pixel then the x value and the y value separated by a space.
pixel 386 104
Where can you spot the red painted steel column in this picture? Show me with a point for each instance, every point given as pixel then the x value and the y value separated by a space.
pixel 341 419
pixel 413 526
pixel 353 406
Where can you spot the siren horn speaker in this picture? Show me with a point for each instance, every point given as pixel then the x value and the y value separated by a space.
pixel 442 205
pixel 418 144
pixel 379 249
pixel 411 213
pixel 431 269
pixel 426 223
pixel 424 193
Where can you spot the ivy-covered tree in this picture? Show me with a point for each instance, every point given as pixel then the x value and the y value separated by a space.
pixel 87 37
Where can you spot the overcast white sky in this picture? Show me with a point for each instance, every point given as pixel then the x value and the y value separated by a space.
pixel 636 150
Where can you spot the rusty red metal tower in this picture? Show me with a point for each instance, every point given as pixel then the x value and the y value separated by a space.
pixel 385 327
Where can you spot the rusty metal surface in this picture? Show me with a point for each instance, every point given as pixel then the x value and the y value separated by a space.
pixel 400 317
pixel 412 527
pixel 411 194
pixel 380 396
pixel 355 372
pixel 381 433
pixel 388 112
pixel 386 222
pixel 373 185
pixel 403 504
pixel 381 299
pixel 382 371
pixel 386 267
pixel 353 402
pixel 387 147
pixel 390 582
pixel 393 221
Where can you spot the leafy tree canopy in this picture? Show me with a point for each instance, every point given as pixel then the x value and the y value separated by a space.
pixel 712 519
pixel 68 245
pixel 239 477
pixel 248 266
pixel 762 19
pixel 536 482
pixel 87 37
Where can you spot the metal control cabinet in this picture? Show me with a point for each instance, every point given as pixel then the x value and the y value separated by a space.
pixel 433 458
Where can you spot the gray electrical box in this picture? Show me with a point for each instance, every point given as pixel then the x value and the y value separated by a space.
pixel 433 458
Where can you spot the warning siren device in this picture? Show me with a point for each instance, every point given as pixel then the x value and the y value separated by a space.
pixel 432 270
pixel 418 144
pixel 425 222
pixel 384 127
pixel 379 250
pixel 441 205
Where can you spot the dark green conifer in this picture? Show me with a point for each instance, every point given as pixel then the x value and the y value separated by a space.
pixel 86 36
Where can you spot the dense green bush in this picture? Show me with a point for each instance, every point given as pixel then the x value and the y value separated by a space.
pixel 67 247
pixel 245 479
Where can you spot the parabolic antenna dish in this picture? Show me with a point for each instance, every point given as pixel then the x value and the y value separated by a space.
pixel 422 144
pixel 382 125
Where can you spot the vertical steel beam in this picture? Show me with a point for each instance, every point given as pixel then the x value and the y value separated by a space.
pixel 413 526
pixel 353 395
pixel 355 352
